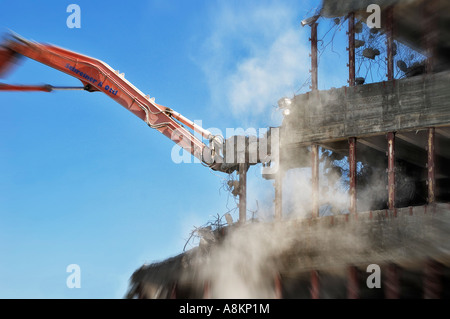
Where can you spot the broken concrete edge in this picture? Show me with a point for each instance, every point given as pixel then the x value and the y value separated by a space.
pixel 405 236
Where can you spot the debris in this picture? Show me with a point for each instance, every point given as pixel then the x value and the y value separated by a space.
pixel 229 219
pixel 358 27
pixel 359 43
pixel 370 53
pixel 234 187
pixel 416 69
pixel 360 81
pixel 206 235
pixel 402 65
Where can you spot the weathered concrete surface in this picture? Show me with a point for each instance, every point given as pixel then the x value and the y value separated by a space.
pixel 406 237
pixel 372 109
pixel 338 8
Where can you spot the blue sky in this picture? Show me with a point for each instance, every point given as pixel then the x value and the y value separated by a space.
pixel 83 181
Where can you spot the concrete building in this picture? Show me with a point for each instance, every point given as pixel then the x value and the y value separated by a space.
pixel 399 126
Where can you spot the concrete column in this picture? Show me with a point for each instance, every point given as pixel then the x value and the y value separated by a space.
pixel 278 195
pixel 314 64
pixel 173 292
pixel 391 169
pixel 315 287
pixel 315 179
pixel 390 42
pixel 278 286
pixel 352 283
pixel 432 281
pixel 351 49
pixel 242 192
pixel 207 290
pixel 352 174
pixel 430 32
pixel 431 180
pixel 392 282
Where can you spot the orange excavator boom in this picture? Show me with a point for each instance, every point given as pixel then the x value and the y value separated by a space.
pixel 99 76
